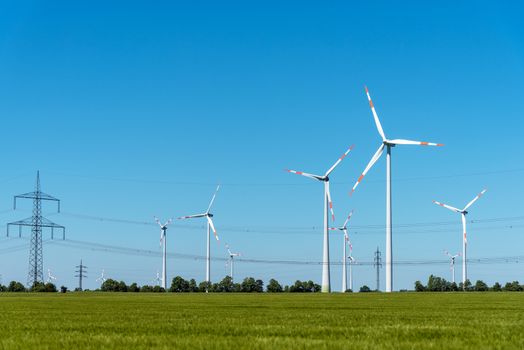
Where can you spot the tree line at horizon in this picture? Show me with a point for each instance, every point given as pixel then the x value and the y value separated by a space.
pixel 252 285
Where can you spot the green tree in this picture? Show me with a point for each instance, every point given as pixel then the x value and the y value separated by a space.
pixel 513 287
pixel 193 288
pixel 133 288
pixel 205 287
pixel 365 289
pixel 274 287
pixel 63 289
pixel 250 285
pixel 497 287
pixel 38 287
pixel 480 286
pixel 179 285
pixel 419 287
pixel 226 285
pixel 109 285
pixel 146 289
pixel 438 284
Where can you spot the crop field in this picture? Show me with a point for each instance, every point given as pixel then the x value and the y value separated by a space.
pixel 262 321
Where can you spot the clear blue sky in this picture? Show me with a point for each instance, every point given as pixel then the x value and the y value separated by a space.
pixel 131 110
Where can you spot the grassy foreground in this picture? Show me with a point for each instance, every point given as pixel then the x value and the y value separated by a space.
pixel 262 321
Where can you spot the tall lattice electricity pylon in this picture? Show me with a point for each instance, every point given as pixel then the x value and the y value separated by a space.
pixel 36 222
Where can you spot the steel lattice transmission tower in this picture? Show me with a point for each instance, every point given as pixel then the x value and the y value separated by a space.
pixel 36 222
pixel 377 263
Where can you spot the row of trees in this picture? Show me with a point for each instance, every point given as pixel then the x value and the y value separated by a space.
pixel 38 287
pixel 439 284
pixel 248 285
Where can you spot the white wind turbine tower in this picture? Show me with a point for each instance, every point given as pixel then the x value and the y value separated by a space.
pixel 345 257
pixel 388 144
pixel 452 264
pixel 210 226
pixel 328 205
pixel 232 257
pixel 50 277
pixel 102 278
pixel 463 214
pixel 163 243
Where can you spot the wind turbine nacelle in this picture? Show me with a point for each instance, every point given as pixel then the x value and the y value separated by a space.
pixel 210 215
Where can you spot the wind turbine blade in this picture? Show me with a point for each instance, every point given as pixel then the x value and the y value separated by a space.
pixel 347 220
pixel 213 199
pixel 448 207
pixel 372 162
pixel 158 221
pixel 330 202
pixel 168 222
pixel 464 228
pixel 475 199
pixel 349 242
pixel 339 160
pixel 419 143
pixel 311 176
pixel 212 227
pixel 375 116
pixel 192 216
pixel 228 250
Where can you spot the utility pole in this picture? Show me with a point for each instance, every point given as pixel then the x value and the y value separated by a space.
pixel 81 270
pixel 377 263
pixel 36 222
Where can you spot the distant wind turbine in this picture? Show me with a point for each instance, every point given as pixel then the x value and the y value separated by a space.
pixel 232 257
pixel 345 257
pixel 102 278
pixel 163 243
pixel 210 226
pixel 328 205
pixel 388 144
pixel 463 214
pixel 452 264
pixel 50 277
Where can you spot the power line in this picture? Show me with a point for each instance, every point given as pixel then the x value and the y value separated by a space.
pixel 357 229
pixel 238 184
pixel 150 253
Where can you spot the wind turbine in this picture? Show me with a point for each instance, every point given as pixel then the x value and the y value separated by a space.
pixel 50 277
pixel 163 243
pixel 328 205
pixel 351 262
pixel 463 214
pixel 452 264
pixel 210 226
pixel 157 279
pixel 231 259
pixel 388 144
pixel 345 257
pixel 102 277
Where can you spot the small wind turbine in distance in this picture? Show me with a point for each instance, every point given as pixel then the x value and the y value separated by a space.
pixel 210 226
pixel 50 277
pixel 163 243
pixel 351 262
pixel 157 280
pixel 388 144
pixel 345 242
pixel 328 205
pixel 463 214
pixel 102 278
pixel 232 257
pixel 452 264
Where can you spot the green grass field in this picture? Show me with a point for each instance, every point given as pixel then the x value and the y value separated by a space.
pixel 262 321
